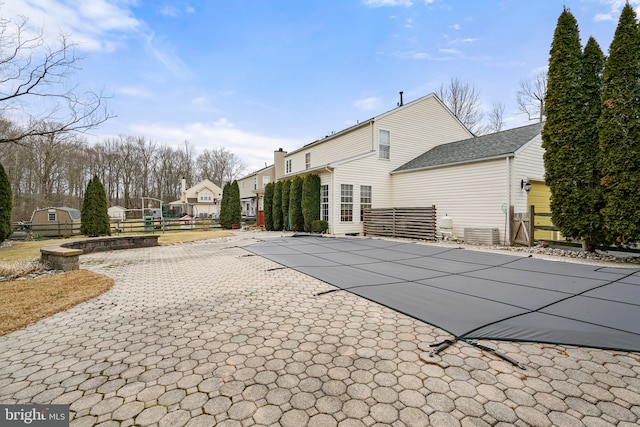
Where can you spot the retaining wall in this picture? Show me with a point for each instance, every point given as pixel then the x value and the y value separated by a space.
pixel 66 256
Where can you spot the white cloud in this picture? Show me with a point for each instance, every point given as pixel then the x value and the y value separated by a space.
pixel 135 92
pixel 615 6
pixel 381 3
pixel 449 51
pixel 368 104
pixel 92 24
pixel 603 17
pixel 409 23
pixel 166 55
pixel 455 27
pixel 200 100
pixel 168 10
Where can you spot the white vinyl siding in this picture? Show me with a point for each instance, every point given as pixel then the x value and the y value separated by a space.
pixel 352 156
pixel 528 165
pixel 384 144
pixel 333 149
pixel 472 194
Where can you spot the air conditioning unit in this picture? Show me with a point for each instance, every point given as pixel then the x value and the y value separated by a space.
pixel 482 236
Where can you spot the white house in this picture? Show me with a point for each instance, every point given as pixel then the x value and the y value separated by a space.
pixel 201 200
pixel 416 155
pixel 355 164
pixel 475 180
pixel 252 187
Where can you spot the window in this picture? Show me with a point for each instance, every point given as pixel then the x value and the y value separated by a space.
pixel 384 144
pixel 52 216
pixel 324 202
pixel 287 166
pixel 307 160
pixel 205 197
pixel 365 199
pixel 265 181
pixel 346 200
pixel 255 182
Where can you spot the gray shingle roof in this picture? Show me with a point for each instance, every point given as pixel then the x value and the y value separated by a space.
pixel 497 144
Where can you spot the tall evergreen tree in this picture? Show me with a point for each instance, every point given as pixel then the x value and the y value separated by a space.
pixel 235 210
pixel 619 132
pixel 286 186
pixel 587 195
pixel 225 219
pixel 564 133
pixel 277 206
pixel 268 206
pixel 310 200
pixel 6 205
pixel 295 204
pixel 94 219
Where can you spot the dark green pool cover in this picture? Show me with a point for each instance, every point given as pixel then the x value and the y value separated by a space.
pixel 473 294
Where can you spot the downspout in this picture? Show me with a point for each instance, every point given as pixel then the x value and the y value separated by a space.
pixel 373 137
pixel 507 229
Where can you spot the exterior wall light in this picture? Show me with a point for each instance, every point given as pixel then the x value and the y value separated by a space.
pixel 526 185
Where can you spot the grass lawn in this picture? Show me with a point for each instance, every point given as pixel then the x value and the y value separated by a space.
pixel 24 301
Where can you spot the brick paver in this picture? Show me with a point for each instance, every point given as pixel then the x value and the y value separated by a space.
pixel 207 334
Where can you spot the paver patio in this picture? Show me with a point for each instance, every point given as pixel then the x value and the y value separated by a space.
pixel 207 334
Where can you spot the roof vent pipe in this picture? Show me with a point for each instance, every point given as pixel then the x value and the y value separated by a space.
pixel 401 103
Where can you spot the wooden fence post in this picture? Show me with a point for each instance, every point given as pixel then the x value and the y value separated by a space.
pixel 532 220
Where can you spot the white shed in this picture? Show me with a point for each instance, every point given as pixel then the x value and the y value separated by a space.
pixel 117 213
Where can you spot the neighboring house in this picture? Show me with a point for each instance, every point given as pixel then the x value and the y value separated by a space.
pixel 202 200
pixel 355 164
pixel 475 180
pixel 117 213
pixel 252 187
pixel 54 222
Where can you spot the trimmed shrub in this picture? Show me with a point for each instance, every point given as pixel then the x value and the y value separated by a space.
pixel 225 217
pixel 295 204
pixel 268 206
pixel 277 206
pixel 94 219
pixel 319 226
pixel 235 206
pixel 6 205
pixel 286 186
pixel 310 200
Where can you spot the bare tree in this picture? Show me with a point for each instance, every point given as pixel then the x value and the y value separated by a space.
pixel 34 85
pixel 531 97
pixel 464 102
pixel 495 118
pixel 219 165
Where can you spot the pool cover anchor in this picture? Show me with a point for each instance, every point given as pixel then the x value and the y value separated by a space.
pixel 438 347
pixel 502 356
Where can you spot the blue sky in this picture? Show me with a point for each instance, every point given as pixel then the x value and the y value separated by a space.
pixel 257 75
